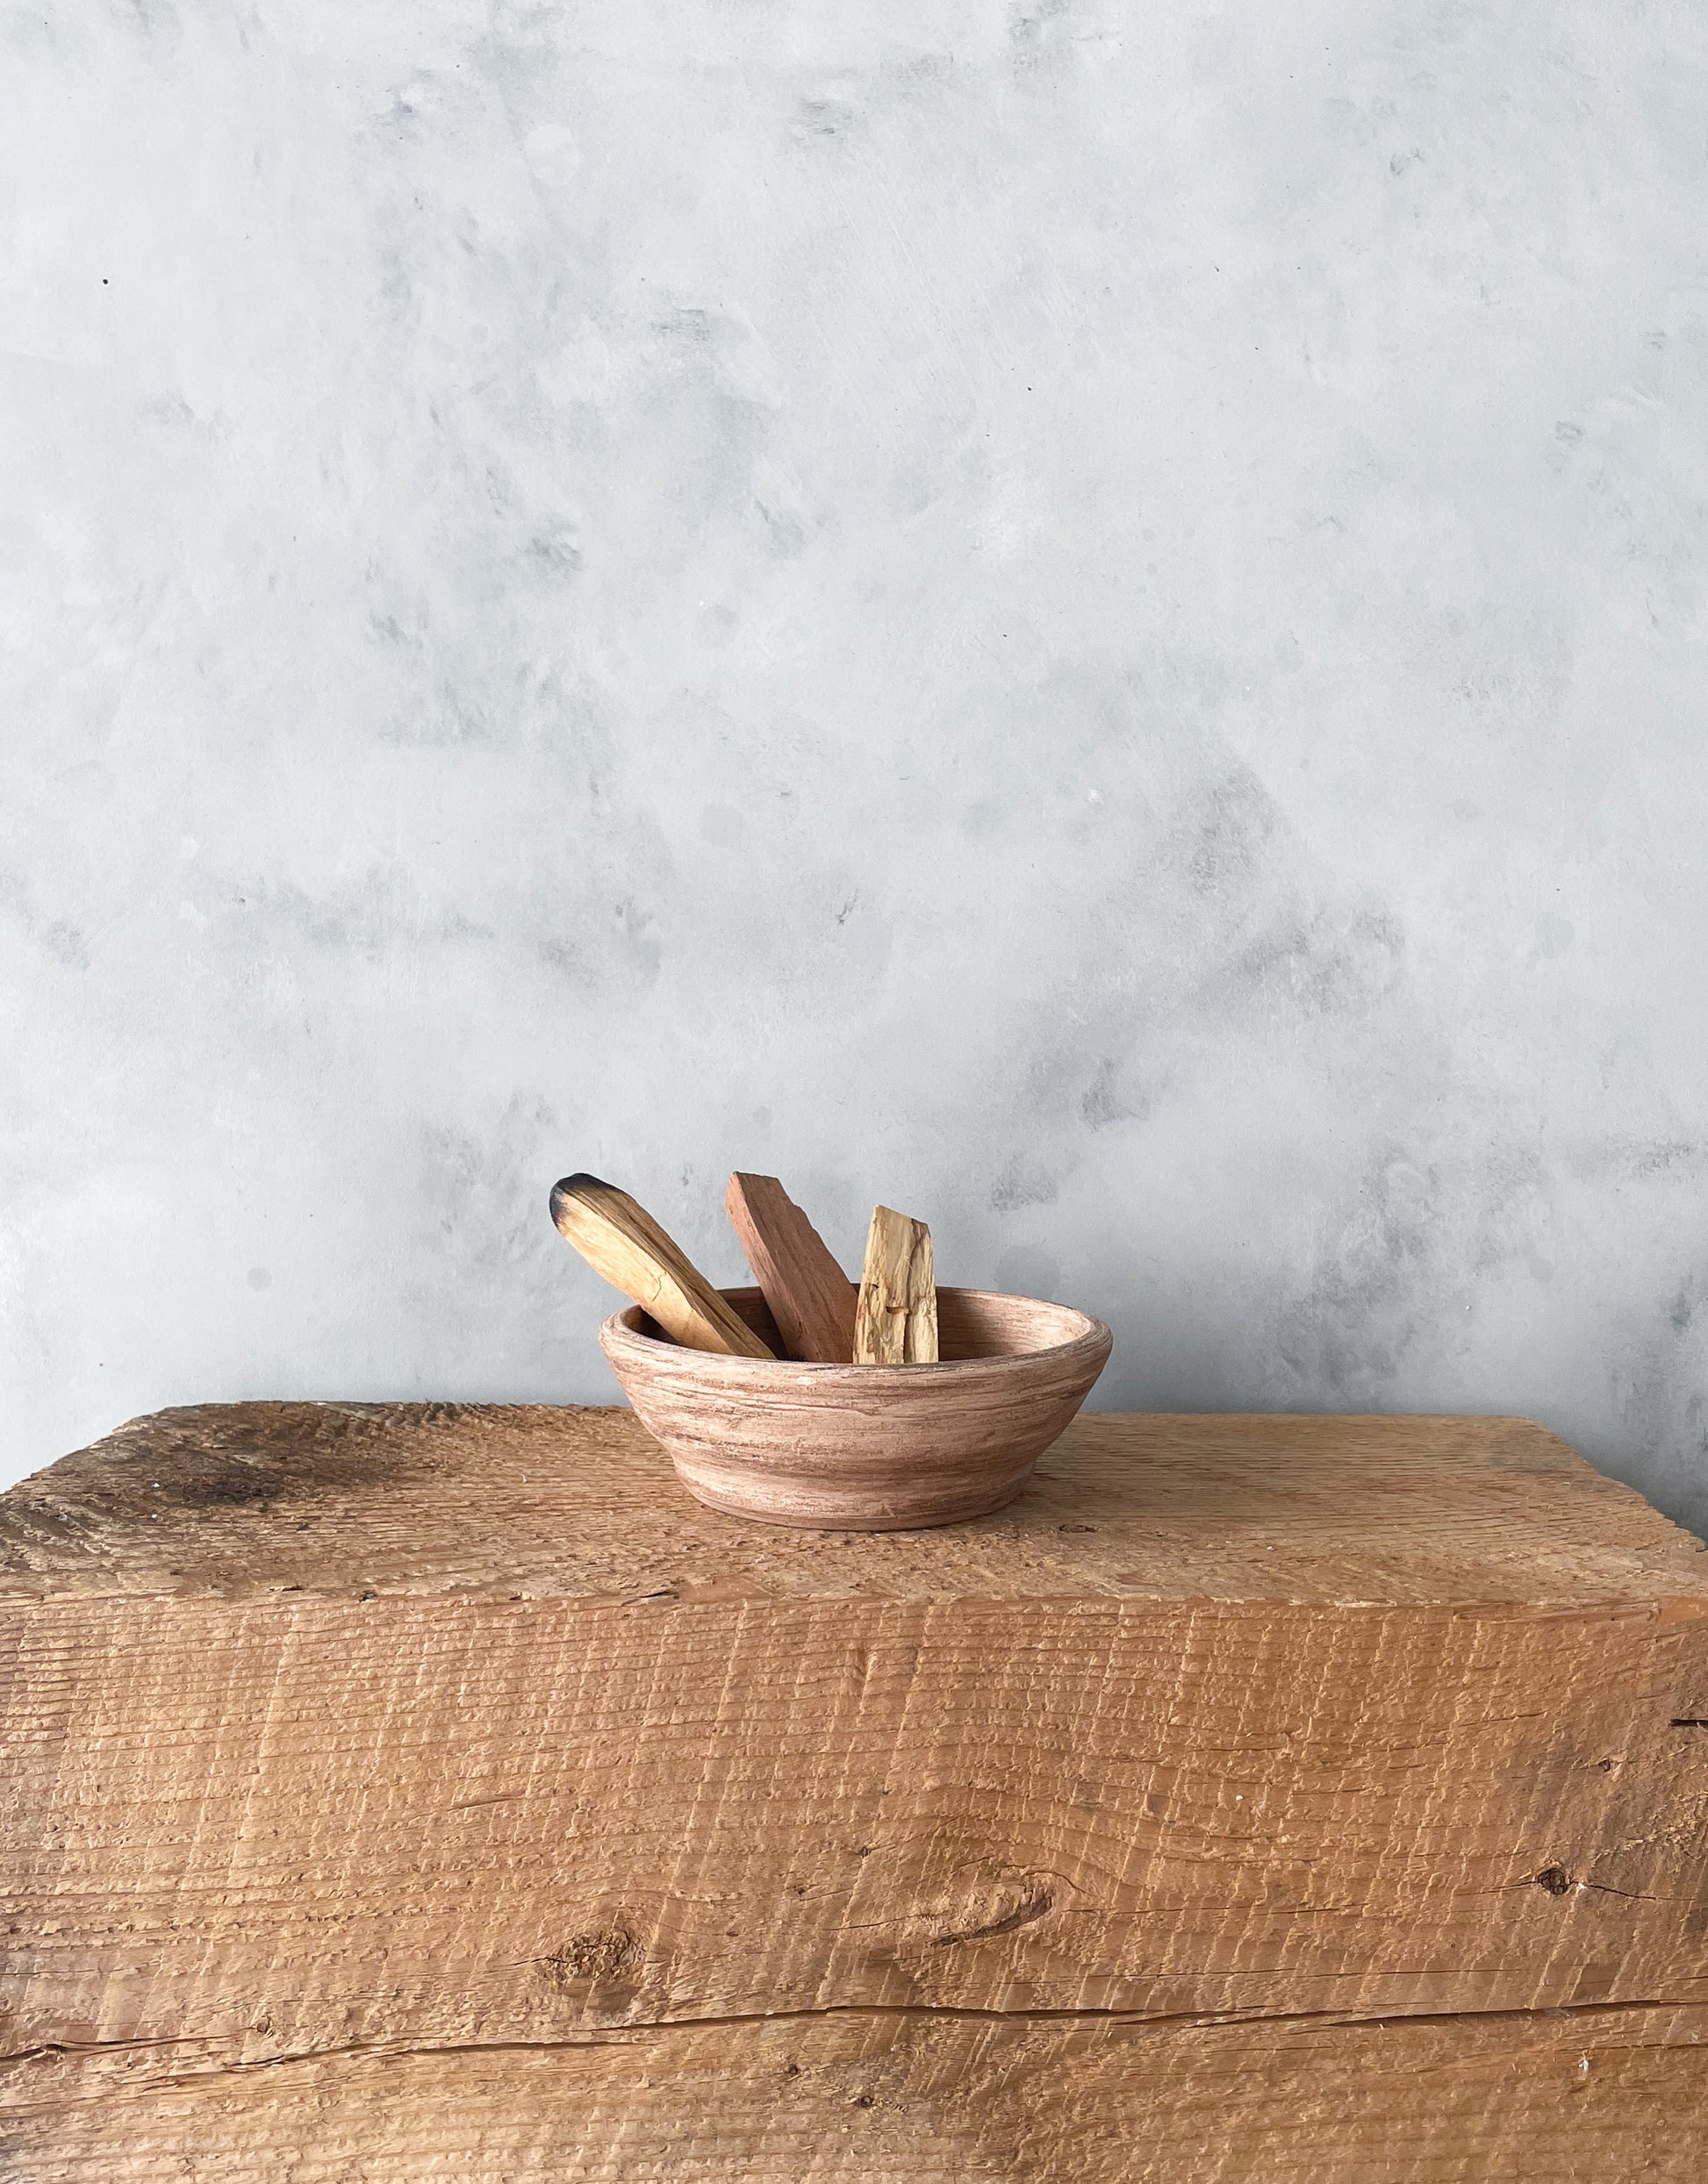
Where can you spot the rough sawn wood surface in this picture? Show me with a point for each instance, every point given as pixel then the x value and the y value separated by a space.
pixel 435 1792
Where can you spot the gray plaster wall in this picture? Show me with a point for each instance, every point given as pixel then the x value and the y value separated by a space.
pixel 1088 619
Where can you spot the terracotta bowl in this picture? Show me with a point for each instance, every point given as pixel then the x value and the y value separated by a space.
pixel 865 1447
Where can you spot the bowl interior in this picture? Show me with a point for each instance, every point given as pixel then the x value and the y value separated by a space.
pixel 971 1323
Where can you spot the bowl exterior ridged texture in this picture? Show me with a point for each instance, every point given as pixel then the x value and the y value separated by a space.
pixel 865 1447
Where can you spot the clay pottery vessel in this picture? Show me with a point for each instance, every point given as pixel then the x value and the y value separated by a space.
pixel 865 1447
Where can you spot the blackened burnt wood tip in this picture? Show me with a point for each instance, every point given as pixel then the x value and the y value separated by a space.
pixel 570 1187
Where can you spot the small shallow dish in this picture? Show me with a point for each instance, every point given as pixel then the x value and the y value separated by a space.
pixel 865 1447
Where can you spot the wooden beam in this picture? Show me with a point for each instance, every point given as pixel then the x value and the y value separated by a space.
pixel 434 1790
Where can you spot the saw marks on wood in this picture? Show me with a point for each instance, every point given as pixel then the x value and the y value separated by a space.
pixel 340 1499
pixel 398 1791
pixel 452 1820
pixel 903 2097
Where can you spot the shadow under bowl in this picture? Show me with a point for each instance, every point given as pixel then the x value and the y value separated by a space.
pixel 865 1447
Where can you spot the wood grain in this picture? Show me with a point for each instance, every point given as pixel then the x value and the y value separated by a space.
pixel 434 1791
pixel 810 1297
pixel 332 1501
pixel 456 1820
pixel 895 1316
pixel 1591 2096
pixel 621 1240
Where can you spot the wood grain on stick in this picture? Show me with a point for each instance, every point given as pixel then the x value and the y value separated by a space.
pixel 810 1297
pixel 895 1318
pixel 621 1240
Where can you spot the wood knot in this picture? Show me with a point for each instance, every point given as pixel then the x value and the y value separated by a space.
pixel 1555 1879
pixel 606 1953
pixel 1033 1905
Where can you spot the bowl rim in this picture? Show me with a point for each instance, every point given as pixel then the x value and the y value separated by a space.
pixel 1090 1335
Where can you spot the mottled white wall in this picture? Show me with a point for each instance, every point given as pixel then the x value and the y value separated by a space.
pixel 1089 618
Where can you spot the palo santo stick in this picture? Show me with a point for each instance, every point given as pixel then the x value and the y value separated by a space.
pixel 811 1299
pixel 895 1320
pixel 623 1242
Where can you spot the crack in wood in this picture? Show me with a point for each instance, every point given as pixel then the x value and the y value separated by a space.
pixel 1035 1907
pixel 621 2035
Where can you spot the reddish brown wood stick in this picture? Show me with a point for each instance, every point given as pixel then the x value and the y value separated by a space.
pixel 811 1299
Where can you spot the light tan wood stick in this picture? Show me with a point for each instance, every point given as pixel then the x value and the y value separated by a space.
pixel 811 1299
pixel 623 1242
pixel 895 1320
